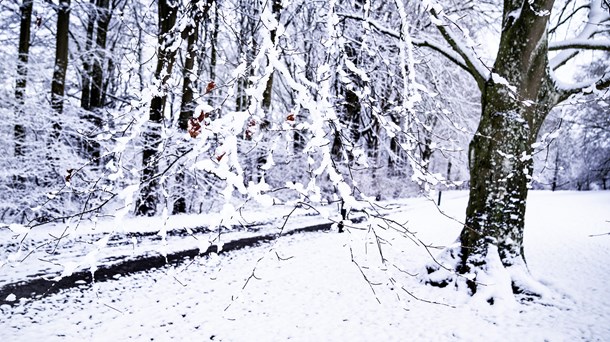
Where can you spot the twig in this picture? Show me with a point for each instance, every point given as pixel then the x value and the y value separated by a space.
pixel 425 300
pixel 363 275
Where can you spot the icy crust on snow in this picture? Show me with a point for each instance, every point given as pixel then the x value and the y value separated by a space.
pixel 357 286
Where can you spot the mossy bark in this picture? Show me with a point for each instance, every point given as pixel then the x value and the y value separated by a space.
pixel 515 101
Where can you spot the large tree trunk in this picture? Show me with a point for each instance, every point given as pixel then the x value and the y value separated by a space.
pixel 515 101
pixel 146 204
pixel 500 167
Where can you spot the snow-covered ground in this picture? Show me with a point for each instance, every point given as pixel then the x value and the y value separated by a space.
pixel 329 286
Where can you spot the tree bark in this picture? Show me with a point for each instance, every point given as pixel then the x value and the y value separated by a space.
pixel 86 75
pixel 61 64
pixel 515 102
pixel 97 76
pixel 146 204
pixel 22 71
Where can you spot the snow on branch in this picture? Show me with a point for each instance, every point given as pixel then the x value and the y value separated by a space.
pixel 583 44
pixel 566 90
pixel 596 18
pixel 447 52
pixel 476 68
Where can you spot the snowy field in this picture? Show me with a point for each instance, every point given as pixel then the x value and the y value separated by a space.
pixel 326 286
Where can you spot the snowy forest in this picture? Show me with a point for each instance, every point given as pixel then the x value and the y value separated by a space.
pixel 118 110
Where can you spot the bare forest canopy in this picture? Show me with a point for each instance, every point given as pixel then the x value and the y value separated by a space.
pixel 121 107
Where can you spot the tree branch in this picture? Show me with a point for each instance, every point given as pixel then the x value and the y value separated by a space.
pixel 601 84
pixel 603 45
pixel 475 66
pixel 597 16
pixel 562 20
pixel 448 53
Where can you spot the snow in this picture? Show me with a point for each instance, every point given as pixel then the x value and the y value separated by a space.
pixel 312 286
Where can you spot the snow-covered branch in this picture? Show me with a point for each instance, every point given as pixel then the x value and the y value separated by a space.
pixel 582 44
pixel 447 53
pixel 566 90
pixel 596 18
pixel 476 68
pixel 420 42
pixel 379 27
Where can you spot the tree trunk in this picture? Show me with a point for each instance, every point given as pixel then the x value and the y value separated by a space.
pixel 214 44
pixel 555 172
pixel 246 47
pixel 61 64
pixel 86 75
pixel 351 116
pixel 191 34
pixel 500 154
pixel 140 50
pixel 21 84
pixel 97 79
pixel 187 106
pixel 276 7
pixel 499 177
pixel 146 204
pixel 22 72
pixel 261 159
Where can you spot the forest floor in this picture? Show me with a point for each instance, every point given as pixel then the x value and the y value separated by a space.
pixel 361 285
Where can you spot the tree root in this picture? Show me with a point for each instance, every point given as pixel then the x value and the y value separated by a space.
pixel 491 280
